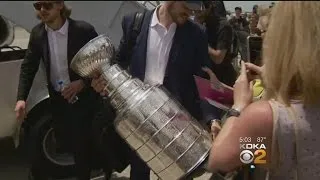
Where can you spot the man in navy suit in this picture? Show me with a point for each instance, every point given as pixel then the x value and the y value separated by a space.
pixel 169 50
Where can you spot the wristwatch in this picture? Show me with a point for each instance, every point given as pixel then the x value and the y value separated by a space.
pixel 233 112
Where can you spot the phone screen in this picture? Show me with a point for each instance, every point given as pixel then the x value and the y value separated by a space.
pixel 255 50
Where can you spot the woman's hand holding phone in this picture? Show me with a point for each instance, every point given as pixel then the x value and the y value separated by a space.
pixel 254 71
pixel 243 89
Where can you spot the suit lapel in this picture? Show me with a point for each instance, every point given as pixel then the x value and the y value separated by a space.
pixel 175 48
pixel 46 50
pixel 142 43
pixel 71 36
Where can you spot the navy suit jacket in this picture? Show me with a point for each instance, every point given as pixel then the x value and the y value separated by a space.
pixel 188 54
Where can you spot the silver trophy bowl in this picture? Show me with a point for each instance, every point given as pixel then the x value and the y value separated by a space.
pixel 151 121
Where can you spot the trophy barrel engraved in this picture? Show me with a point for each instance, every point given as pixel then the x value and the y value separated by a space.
pixel 160 130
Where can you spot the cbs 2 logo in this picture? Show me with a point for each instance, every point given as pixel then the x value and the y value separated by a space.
pixel 258 157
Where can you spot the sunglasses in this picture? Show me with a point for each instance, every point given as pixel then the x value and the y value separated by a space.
pixel 44 5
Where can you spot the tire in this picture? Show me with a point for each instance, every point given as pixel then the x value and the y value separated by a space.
pixel 56 165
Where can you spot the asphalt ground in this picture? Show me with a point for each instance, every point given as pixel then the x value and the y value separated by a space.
pixel 14 166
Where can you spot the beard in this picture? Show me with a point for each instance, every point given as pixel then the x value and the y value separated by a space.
pixel 179 19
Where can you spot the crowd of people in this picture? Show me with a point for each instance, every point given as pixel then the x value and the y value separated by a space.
pixel 171 49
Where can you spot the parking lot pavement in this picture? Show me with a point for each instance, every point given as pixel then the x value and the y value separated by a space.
pixel 14 167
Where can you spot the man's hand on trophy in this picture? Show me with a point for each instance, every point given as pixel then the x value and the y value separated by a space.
pixel 215 128
pixel 98 83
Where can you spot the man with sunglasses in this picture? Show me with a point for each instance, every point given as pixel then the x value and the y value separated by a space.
pixel 169 50
pixel 56 40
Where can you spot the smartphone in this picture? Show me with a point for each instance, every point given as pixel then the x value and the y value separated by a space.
pixel 254 50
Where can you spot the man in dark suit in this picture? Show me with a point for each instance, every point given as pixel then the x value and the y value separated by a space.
pixel 169 50
pixel 56 40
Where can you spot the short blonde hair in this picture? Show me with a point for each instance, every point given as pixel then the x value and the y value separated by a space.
pixel 291 52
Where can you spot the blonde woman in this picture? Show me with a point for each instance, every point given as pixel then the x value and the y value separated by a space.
pixel 288 120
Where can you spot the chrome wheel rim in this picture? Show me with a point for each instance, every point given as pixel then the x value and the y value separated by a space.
pixel 49 147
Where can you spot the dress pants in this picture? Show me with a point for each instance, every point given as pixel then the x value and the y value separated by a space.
pixel 73 123
pixel 72 127
pixel 139 169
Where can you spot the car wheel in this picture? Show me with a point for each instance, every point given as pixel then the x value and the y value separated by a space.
pixel 56 164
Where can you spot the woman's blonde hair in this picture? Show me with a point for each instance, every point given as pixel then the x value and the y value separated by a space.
pixel 264 13
pixel 263 10
pixel 291 52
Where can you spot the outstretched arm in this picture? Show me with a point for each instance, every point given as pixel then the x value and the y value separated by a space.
pixel 29 67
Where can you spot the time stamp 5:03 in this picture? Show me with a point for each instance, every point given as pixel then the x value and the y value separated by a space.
pixel 253 150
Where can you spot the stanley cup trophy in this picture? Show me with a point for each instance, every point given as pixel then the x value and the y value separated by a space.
pixel 151 121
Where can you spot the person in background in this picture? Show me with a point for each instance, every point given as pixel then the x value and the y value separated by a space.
pixel 220 39
pixel 56 40
pixel 254 20
pixel 245 16
pixel 181 52
pixel 240 26
pixel 238 22
pixel 272 5
pixel 255 9
pixel 288 117
pixel 229 16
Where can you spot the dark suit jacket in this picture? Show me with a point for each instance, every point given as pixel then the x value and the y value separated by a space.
pixel 79 33
pixel 189 52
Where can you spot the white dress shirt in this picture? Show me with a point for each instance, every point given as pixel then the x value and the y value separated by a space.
pixel 158 49
pixel 58 48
